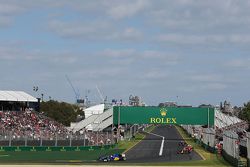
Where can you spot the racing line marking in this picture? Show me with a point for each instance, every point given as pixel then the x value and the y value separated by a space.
pixel 162 145
pixel 162 142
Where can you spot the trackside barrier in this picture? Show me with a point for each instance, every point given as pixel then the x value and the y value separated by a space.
pixel 231 148
pixel 208 148
pixel 209 137
pixel 248 148
pixel 230 144
pixel 53 148
pixel 233 161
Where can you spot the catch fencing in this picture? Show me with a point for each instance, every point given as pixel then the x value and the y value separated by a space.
pixel 208 137
pixel 231 144
pixel 84 139
pixel 248 147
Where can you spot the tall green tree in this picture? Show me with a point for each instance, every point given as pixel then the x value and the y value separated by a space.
pixel 245 112
pixel 60 111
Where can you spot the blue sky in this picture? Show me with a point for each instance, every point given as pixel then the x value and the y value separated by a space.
pixel 189 51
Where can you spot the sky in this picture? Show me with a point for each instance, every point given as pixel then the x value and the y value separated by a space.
pixel 189 51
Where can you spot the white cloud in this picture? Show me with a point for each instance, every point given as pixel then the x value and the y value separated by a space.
pixel 95 30
pixel 10 8
pixel 213 86
pixel 156 74
pixel 204 39
pixel 194 88
pixel 121 53
pixel 200 15
pixel 141 55
pixel 206 77
pixel 13 53
pixel 239 63
pixel 125 9
pixel 5 21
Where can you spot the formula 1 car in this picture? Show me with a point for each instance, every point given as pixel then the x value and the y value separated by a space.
pixel 182 143
pixel 186 150
pixel 113 157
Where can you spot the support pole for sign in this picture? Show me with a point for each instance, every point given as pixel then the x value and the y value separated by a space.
pixel 118 129
pixel 208 117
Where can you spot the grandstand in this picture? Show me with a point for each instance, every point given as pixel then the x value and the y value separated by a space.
pixel 227 122
pixel 97 118
pixel 22 125
pixel 223 122
pixel 17 101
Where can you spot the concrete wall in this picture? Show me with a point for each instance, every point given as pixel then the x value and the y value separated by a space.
pixel 209 137
pixel 230 145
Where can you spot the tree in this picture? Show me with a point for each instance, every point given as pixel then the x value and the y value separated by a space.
pixel 60 111
pixel 245 112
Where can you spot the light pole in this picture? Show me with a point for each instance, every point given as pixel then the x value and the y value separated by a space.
pixel 42 97
pixel 35 89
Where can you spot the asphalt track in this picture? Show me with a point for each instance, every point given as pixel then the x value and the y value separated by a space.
pixel 148 149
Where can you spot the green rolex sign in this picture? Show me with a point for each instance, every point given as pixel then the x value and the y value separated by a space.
pixel 167 115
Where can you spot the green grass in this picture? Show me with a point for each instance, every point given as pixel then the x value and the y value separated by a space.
pixel 150 128
pixel 128 144
pixel 54 156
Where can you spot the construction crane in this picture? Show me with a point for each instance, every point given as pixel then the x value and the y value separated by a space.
pixel 77 94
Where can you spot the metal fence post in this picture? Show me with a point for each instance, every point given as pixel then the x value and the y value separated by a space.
pixel 107 138
pixel 112 136
pixel 70 140
pixel 25 140
pixel 10 136
pixel 84 138
pixel 56 140
pixel 41 139
pixel 97 138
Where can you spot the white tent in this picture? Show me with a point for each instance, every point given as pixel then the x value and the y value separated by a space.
pixel 97 109
pixel 16 96
pixel 223 120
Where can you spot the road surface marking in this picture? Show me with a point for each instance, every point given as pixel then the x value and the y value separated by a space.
pixel 162 145
pixel 162 142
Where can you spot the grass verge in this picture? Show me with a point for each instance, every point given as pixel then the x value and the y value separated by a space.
pixel 127 145
pixel 54 156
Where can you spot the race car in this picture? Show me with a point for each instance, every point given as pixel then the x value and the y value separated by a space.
pixel 105 158
pixel 113 157
pixel 182 143
pixel 186 150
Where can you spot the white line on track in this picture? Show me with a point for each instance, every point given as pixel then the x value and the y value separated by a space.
pixel 162 142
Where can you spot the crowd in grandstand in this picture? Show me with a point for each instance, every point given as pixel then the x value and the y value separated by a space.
pixel 28 123
pixel 33 125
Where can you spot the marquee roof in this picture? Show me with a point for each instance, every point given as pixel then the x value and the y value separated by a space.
pixel 223 120
pixel 16 96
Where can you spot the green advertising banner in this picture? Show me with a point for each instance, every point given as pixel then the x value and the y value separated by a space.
pixel 54 148
pixel 166 115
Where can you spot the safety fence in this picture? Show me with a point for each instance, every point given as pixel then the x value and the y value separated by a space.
pixel 53 148
pixel 231 147
pixel 81 139
pixel 248 148
pixel 209 137
pixel 231 144
pixel 205 137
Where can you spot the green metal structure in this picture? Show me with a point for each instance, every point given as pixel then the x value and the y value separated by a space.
pixel 166 115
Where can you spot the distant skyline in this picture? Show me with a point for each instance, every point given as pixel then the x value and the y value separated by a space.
pixel 188 51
